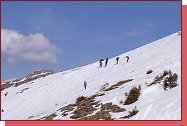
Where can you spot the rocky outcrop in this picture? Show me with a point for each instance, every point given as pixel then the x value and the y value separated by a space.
pixel 33 76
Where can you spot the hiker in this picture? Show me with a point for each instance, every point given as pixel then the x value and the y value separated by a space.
pixel 85 84
pixel 2 110
pixel 117 59
pixel 106 61
pixel 127 59
pixel 6 94
pixel 100 61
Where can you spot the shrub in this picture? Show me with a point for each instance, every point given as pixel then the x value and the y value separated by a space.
pixel 133 95
pixel 166 73
pixel 68 108
pixel 149 71
pixel 82 111
pixel 50 117
pixel 102 114
pixel 168 78
pixel 111 107
pixel 160 77
pixel 170 81
pixel 132 113
pixel 81 98
pixel 85 106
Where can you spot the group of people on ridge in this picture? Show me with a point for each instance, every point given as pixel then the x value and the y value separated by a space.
pixel 106 61
pixel 101 62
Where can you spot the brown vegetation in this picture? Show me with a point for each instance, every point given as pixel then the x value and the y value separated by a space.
pixel 160 77
pixel 117 85
pixel 171 81
pixel 168 78
pixel 149 71
pixel 50 117
pixel 133 95
pixel 131 113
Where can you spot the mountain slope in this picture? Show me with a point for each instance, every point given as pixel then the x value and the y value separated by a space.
pixel 45 98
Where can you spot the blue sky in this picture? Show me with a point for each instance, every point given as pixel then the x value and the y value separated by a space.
pixel 79 33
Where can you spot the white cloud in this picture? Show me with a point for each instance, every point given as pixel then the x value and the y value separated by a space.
pixel 32 48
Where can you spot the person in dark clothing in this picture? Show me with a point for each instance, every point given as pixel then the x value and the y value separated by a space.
pixel 106 61
pixel 117 59
pixel 100 61
pixel 127 58
pixel 85 84
pixel 6 94
pixel 2 110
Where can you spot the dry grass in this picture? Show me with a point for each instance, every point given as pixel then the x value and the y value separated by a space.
pixel 84 107
pixel 112 108
pixel 50 117
pixel 104 113
pixel 117 85
pixel 67 109
pixel 133 95
pixel 104 87
pixel 100 115
pixel 98 94
pixel 131 113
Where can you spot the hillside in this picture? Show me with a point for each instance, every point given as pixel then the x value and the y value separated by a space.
pixel 62 95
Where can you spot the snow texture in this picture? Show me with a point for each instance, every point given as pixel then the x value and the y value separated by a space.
pixel 45 96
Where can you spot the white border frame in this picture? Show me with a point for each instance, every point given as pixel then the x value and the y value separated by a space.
pixel 184 2
pixel 2 123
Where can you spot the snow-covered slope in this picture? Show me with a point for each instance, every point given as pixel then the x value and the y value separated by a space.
pixel 33 76
pixel 46 96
